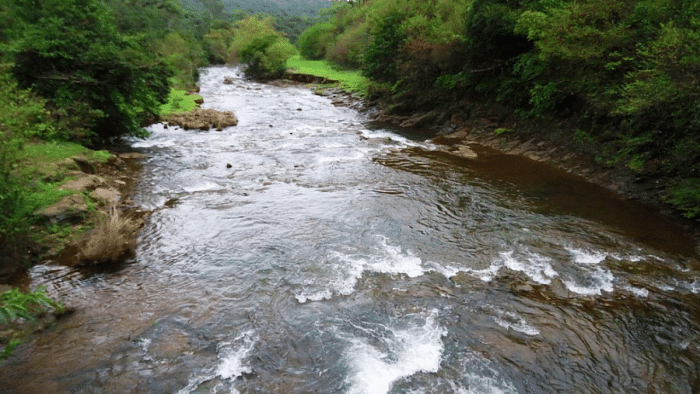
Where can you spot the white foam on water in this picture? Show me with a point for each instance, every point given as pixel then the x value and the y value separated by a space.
pixel 345 273
pixel 600 280
pixel 587 257
pixel 487 274
pixel 232 356
pixel 314 296
pixel 695 286
pixel 535 266
pixel 447 271
pixel 392 260
pixel 637 291
pixel 411 350
pixel 200 187
pixel 145 344
pixel 348 269
pixel 154 143
pixel 512 321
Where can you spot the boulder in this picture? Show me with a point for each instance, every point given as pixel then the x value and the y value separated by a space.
pixel 83 183
pixel 105 195
pixel 203 119
pixel 70 209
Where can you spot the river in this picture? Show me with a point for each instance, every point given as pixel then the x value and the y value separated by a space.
pixel 307 250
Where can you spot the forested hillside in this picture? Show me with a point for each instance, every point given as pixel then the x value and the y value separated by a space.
pixel 625 74
pixel 288 7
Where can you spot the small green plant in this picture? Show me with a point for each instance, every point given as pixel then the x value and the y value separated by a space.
pixel 501 130
pixel 7 351
pixel 685 195
pixel 17 304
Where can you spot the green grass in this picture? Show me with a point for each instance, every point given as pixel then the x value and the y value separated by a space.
pixel 43 166
pixel 350 80
pixel 179 102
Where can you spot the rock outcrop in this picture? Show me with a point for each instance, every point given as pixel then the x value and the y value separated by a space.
pixel 203 119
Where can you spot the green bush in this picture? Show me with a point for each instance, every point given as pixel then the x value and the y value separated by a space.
pixel 262 51
pixel 69 52
pixel 12 224
pixel 348 50
pixel 685 195
pixel 312 43
pixel 17 304
pixel 382 55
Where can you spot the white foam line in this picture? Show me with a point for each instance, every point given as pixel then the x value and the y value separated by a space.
pixel 602 280
pixel 586 257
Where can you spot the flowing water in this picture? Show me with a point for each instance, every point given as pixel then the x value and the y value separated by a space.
pixel 308 251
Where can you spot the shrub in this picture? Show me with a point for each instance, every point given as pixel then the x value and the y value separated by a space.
pixel 348 49
pixel 69 52
pixel 381 57
pixel 12 224
pixel 262 51
pixel 685 195
pixel 312 43
pixel 17 304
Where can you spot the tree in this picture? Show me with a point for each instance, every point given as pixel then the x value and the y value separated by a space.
pixel 262 50
pixel 70 52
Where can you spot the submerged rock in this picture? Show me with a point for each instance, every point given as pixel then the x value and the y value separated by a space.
pixel 203 119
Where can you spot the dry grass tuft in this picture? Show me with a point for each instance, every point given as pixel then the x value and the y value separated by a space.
pixel 111 239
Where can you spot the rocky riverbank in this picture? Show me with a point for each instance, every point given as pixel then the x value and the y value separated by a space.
pixel 457 126
pixel 99 194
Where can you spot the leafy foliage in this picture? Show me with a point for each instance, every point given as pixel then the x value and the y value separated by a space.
pixel 313 42
pixel 17 304
pixel 262 50
pixel 685 195
pixel 71 53
pixel 381 57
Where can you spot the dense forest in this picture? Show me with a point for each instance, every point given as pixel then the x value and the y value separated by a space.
pixel 625 74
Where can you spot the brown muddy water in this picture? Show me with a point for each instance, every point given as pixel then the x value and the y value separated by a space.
pixel 334 256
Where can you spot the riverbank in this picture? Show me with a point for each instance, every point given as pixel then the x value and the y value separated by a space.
pixel 456 126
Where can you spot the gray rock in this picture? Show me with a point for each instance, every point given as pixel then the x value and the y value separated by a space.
pixel 69 209
pixel 105 195
pixel 83 183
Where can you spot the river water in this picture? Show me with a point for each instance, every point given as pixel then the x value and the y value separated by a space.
pixel 307 250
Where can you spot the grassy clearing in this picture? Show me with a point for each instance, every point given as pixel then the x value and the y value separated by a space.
pixel 350 80
pixel 179 102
